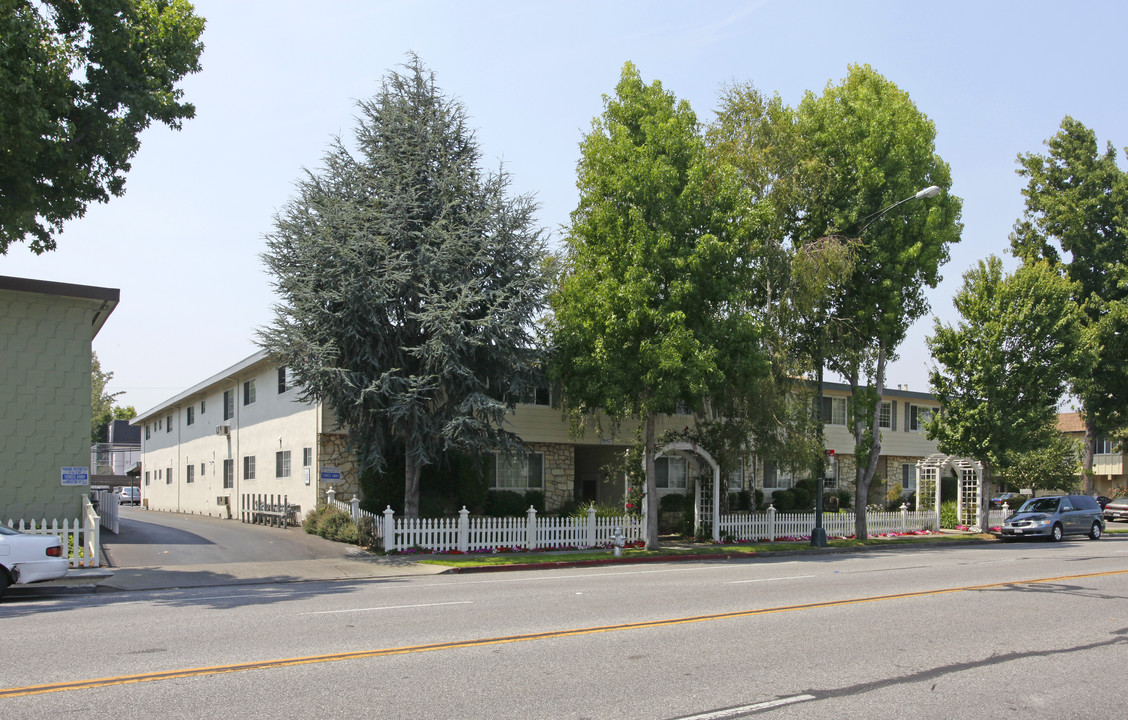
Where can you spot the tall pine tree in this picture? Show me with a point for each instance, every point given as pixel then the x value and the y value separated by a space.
pixel 409 282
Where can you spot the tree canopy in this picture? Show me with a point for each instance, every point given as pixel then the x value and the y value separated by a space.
pixel 1077 217
pixel 1001 370
pixel 103 404
pixel 410 282
pixel 651 311
pixel 79 81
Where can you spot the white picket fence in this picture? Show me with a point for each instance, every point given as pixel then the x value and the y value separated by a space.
pixel 108 504
pixel 82 537
pixel 490 534
pixel 773 525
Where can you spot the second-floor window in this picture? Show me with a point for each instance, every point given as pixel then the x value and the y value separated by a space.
pixel 671 472
pixel 228 404
pixel 190 415
pixel 248 392
pixel 834 410
pixel 282 386
pixel 1104 446
pixel 919 416
pixel 885 419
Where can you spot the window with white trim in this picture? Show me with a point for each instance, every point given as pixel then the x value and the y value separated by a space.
pixel 307 457
pixel 282 464
pixel 248 392
pixel 885 416
pixel 517 472
pixel 1103 446
pixel 168 477
pixel 190 415
pixel 282 385
pixel 736 477
pixel 248 467
pixel 228 404
pixel 834 410
pixel 671 473
pixel 229 473
pixel 776 477
pixel 190 474
pixel 909 477
pixel 919 416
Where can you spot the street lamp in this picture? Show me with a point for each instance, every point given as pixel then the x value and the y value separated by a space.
pixel 818 534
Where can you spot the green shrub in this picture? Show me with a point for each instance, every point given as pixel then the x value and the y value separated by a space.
pixel 803 498
pixel 331 524
pixel 535 499
pixel 505 503
pixel 603 510
pixel 673 502
pixel 758 497
pixel 783 500
pixel 366 532
pixel 949 515
pixel 845 499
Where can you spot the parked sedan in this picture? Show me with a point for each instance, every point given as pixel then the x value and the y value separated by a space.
pixel 129 496
pixel 29 558
pixel 1054 517
pixel 1117 509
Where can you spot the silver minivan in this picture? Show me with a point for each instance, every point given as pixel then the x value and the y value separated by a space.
pixel 1055 517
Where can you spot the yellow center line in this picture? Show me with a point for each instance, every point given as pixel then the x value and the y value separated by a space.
pixel 382 652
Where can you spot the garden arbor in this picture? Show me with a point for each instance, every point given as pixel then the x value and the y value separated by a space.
pixel 703 512
pixel 969 479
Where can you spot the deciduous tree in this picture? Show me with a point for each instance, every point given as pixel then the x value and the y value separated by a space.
pixel 1077 216
pixel 652 309
pixel 1001 370
pixel 79 81
pixel 409 282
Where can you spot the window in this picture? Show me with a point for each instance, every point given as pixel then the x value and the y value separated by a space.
pixel 248 467
pixel 202 466
pixel 190 415
pixel 307 457
pixel 160 473
pixel 885 419
pixel 147 426
pixel 248 392
pixel 190 474
pixel 670 472
pixel 229 473
pixel 919 417
pixel 736 477
pixel 228 404
pixel 777 478
pixel 282 464
pixel 203 406
pixel 146 477
pixel 168 476
pixel 168 424
pixel 908 477
pixel 1104 446
pixel 519 472
pixel 282 380
pixel 834 410
pixel 158 423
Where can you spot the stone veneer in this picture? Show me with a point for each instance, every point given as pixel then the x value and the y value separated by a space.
pixel 559 473
pixel 333 450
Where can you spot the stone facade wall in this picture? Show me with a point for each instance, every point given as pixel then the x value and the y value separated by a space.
pixel 333 451
pixel 559 473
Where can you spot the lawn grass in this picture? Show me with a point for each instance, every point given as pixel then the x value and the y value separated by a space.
pixel 573 556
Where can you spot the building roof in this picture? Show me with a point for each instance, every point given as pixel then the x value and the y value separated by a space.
pixel 175 400
pixel 1070 423
pixel 109 297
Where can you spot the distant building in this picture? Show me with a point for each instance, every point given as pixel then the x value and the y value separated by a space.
pixel 45 333
pixel 111 461
pixel 1108 460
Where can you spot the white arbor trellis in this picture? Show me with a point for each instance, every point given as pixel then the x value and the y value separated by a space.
pixel 969 478
pixel 700 515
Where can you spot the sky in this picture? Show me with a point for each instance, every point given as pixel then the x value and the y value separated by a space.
pixel 280 80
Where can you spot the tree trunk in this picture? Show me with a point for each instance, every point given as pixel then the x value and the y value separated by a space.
pixel 411 469
pixel 864 475
pixel 1090 449
pixel 651 528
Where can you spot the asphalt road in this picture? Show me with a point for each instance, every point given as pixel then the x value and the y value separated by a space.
pixel 1017 630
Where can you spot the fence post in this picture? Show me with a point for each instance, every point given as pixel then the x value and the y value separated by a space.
pixel 389 528
pixel 330 495
pixel 463 529
pixel 531 529
pixel 904 517
pixel 771 523
pixel 591 526
pixel 355 502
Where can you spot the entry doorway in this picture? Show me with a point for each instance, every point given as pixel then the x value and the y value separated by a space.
pixel 594 483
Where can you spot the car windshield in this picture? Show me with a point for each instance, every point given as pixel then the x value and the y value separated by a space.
pixel 1046 505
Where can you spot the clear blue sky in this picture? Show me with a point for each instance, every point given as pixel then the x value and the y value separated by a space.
pixel 280 79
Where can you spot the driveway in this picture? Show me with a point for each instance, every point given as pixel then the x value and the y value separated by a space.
pixel 164 550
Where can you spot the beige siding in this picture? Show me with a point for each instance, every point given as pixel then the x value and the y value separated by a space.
pixel 45 406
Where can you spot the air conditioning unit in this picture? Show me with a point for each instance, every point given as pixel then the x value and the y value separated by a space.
pixel 222 429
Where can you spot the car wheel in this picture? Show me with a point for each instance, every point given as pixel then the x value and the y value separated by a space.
pixel 1095 531
pixel 5 581
pixel 1056 533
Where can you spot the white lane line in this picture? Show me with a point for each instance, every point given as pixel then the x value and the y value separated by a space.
pixel 744 710
pixel 790 577
pixel 386 607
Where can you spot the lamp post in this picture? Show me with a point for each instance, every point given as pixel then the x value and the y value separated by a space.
pixel 818 535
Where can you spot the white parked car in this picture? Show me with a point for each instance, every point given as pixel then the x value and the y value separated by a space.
pixel 129 496
pixel 30 558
